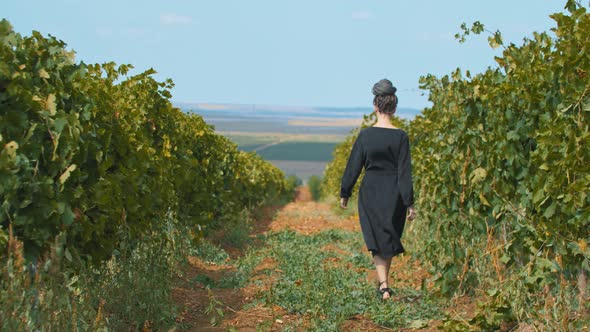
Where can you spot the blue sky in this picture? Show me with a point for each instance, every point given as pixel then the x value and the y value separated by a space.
pixel 294 53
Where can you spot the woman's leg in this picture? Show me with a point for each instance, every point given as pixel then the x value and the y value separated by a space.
pixel 382 266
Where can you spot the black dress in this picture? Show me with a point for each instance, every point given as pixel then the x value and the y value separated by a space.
pixel 386 190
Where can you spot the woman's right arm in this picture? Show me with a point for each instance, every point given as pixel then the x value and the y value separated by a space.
pixel 353 169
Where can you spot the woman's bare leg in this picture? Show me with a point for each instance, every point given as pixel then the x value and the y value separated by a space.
pixel 382 266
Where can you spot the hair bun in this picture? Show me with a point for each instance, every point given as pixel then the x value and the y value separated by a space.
pixel 384 87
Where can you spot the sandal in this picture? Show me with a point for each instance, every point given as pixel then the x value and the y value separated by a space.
pixel 382 291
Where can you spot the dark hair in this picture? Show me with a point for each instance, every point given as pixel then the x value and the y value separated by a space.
pixel 385 98
pixel 386 103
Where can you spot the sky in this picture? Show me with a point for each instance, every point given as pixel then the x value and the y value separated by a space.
pixel 326 53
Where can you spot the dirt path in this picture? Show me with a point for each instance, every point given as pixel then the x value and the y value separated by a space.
pixel 236 308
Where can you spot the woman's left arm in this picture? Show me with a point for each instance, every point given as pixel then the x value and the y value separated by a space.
pixel 405 172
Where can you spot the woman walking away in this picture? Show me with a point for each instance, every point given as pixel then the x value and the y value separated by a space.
pixel 386 192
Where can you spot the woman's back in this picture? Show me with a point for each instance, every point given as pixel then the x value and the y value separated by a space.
pixel 381 151
pixel 382 148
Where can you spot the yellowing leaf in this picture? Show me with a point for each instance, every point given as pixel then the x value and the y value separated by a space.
pixel 50 104
pixel 66 174
pixel 43 73
pixel 11 148
pixel 478 175
pixel 483 200
pixel 476 90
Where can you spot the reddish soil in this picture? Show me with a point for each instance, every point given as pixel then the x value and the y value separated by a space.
pixel 304 216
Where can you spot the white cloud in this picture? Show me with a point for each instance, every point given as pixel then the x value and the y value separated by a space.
pixel 175 19
pixel 361 15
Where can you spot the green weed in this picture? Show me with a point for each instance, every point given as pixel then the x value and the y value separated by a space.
pixel 136 284
pixel 244 267
pixel 327 286
pixel 214 309
pixel 238 234
pixel 204 280
pixel 210 252
pixel 127 292
pixel 32 294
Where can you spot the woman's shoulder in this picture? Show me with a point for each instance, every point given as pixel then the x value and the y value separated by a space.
pixel 392 130
pixel 379 133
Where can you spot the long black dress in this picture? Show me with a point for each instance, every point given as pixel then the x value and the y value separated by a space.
pixel 386 190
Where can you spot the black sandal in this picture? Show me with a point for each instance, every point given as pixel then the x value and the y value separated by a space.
pixel 382 291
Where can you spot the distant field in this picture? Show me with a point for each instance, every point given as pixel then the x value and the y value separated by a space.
pixel 305 151
pixel 247 138
pixel 286 126
pixel 251 139
pixel 251 142
pixel 302 169
pixel 266 143
pixel 302 155
pixel 250 147
pixel 326 122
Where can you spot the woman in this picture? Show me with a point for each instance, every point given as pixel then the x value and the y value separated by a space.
pixel 386 193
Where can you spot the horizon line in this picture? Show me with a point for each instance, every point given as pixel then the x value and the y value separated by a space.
pixel 219 106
